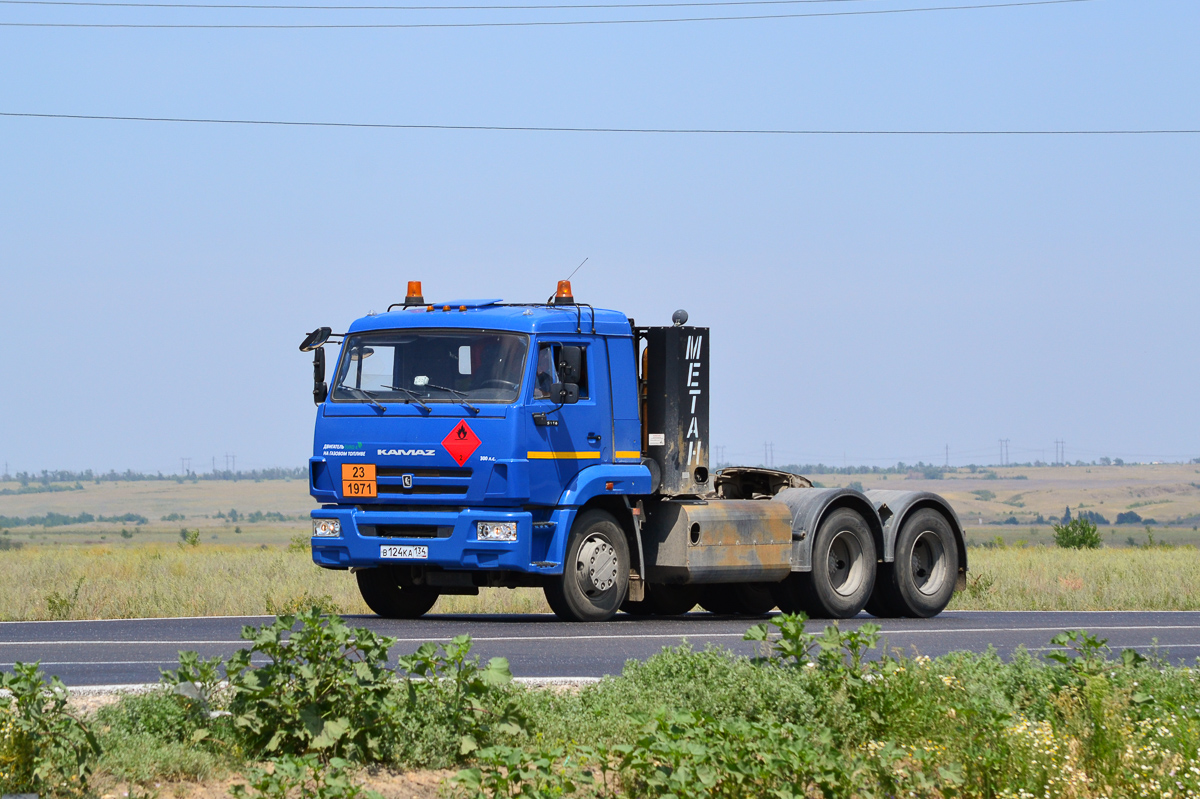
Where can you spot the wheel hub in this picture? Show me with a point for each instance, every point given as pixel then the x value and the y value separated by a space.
pixel 597 565
pixel 929 563
pixel 846 571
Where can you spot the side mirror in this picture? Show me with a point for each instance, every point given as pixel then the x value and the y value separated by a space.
pixel 570 364
pixel 316 339
pixel 565 393
pixel 320 387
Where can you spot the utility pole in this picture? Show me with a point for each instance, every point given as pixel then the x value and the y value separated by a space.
pixel 766 460
pixel 1004 451
pixel 1060 451
pixel 947 456
pixel 772 454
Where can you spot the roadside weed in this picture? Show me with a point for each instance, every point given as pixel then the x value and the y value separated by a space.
pixel 43 747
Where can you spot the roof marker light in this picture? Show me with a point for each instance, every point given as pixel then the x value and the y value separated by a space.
pixel 563 296
pixel 414 294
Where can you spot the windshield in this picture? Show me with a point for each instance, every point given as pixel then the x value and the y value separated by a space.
pixel 427 366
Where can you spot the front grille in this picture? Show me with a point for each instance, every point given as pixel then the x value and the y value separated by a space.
pixel 400 471
pixel 404 531
pixel 383 489
pixel 412 508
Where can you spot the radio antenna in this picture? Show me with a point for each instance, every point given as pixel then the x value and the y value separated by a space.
pixel 581 263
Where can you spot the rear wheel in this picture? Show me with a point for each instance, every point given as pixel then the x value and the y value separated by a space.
pixel 381 590
pixel 595 578
pixel 743 599
pixel 843 571
pixel 926 566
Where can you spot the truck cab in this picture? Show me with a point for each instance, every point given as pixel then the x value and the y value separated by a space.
pixel 471 443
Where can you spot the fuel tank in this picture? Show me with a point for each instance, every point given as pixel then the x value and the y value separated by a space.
pixel 717 541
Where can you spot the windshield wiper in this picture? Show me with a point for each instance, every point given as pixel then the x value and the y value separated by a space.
pixel 461 397
pixel 412 395
pixel 366 394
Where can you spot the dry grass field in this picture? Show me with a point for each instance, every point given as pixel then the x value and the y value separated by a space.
pixel 92 571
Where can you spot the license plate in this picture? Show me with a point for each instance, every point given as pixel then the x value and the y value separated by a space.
pixel 358 480
pixel 394 552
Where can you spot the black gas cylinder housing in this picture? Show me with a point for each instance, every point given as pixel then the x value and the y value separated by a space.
pixel 677 407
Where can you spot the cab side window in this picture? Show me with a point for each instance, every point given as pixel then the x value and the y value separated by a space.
pixel 547 375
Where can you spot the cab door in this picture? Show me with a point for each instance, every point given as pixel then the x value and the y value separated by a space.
pixel 564 440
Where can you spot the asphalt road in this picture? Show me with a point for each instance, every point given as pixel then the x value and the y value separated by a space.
pixel 120 652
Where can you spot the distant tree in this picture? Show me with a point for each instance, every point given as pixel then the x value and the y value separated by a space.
pixel 1011 520
pixel 1128 517
pixel 1066 518
pixel 1118 462
pixel 1106 461
pixel 1078 534
pixel 855 485
pixel 1092 516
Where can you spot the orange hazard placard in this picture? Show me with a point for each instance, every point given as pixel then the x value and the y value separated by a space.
pixel 358 480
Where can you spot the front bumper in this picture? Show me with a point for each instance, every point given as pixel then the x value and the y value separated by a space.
pixel 458 551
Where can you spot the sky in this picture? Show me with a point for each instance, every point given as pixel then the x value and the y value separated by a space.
pixel 871 298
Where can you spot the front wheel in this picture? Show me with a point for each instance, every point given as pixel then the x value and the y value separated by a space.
pixel 382 592
pixel 595 576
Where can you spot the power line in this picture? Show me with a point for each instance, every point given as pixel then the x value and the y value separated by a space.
pixel 554 129
pixel 532 23
pixel 222 6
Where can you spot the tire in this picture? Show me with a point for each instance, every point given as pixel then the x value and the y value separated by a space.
pixel 843 573
pixel 754 599
pixel 595 578
pixel 885 602
pixel 663 600
pixel 742 599
pixel 923 575
pixel 384 595
pixel 719 598
pixel 671 600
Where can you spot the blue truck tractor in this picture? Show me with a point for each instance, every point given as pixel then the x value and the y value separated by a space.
pixel 478 443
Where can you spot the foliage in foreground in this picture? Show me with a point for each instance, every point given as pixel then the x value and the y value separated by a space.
pixel 310 701
pixel 43 748
pixel 839 725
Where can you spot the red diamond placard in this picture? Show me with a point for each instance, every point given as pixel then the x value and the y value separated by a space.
pixel 461 442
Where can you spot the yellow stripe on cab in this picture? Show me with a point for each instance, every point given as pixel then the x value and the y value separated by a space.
pixel 569 456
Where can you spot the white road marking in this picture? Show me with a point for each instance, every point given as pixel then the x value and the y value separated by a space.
pixel 446 617
pixel 625 637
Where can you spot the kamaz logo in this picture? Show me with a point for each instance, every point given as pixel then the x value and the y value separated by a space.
pixel 424 452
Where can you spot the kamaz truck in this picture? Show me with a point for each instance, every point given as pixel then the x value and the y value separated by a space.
pixel 478 443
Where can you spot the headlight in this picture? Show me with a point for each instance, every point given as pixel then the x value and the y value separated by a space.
pixel 496 531
pixel 327 527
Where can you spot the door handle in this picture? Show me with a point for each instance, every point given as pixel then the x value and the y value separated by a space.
pixel 593 438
